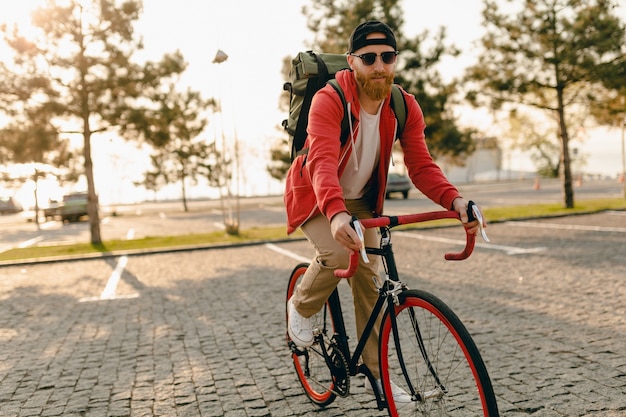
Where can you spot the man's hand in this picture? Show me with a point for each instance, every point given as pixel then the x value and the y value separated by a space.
pixel 343 232
pixel 460 205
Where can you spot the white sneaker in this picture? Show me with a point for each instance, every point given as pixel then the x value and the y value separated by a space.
pixel 298 327
pixel 400 396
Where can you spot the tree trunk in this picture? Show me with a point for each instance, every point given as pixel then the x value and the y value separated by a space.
pixel 92 196
pixel 36 180
pixel 566 172
pixel 184 190
pixel 566 175
pixel 85 113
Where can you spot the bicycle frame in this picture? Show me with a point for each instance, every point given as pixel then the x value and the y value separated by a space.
pixel 340 337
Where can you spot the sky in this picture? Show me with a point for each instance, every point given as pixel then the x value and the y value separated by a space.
pixel 256 36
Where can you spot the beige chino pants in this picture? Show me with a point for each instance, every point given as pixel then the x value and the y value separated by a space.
pixel 318 282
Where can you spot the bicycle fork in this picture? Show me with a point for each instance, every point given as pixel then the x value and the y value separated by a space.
pixel 392 289
pixel 440 390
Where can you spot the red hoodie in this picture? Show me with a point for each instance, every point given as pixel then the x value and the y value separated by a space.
pixel 312 184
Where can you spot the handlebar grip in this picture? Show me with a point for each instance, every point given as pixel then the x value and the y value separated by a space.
pixel 354 256
pixel 470 212
pixel 466 252
pixel 352 266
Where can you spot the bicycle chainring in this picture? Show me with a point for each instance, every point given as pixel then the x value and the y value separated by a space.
pixel 340 373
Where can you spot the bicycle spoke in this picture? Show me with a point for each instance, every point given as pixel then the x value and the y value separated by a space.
pixel 437 358
pixel 311 363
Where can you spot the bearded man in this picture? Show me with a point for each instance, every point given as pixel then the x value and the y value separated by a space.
pixel 331 183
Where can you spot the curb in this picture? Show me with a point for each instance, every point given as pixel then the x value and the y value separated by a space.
pixel 140 252
pixel 187 248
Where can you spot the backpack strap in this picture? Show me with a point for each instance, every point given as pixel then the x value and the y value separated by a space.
pixel 398 105
pixel 399 108
pixel 345 124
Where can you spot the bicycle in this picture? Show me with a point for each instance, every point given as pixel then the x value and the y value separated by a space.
pixel 423 346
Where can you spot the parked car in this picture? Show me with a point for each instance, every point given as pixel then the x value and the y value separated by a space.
pixel 9 205
pixel 73 207
pixel 52 211
pixel 398 183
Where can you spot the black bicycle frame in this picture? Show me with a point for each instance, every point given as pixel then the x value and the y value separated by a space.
pixel 341 339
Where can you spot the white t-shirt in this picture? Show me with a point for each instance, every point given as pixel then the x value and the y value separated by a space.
pixel 364 158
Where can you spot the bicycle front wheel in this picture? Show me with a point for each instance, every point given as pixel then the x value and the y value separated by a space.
pixel 432 356
pixel 310 363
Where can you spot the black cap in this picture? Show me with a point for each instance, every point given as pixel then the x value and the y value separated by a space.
pixel 358 39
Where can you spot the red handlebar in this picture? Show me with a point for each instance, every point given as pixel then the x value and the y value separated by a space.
pixel 408 219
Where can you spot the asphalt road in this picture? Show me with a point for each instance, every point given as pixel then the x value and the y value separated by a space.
pixel 168 218
pixel 201 333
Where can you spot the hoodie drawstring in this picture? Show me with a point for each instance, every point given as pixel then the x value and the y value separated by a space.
pixel 352 138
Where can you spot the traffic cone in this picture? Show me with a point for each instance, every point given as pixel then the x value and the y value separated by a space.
pixel 537 185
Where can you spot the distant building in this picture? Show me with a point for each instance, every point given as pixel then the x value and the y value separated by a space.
pixel 486 164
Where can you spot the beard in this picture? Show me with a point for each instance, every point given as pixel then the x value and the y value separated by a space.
pixel 375 90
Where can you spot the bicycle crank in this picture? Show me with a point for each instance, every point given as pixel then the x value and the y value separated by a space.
pixel 339 370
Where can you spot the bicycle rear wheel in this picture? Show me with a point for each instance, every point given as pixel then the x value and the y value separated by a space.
pixel 310 363
pixel 433 357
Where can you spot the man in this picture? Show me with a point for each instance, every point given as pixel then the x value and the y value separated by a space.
pixel 334 182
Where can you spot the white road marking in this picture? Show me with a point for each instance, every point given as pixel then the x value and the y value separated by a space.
pixel 509 250
pixel 24 244
pixel 278 209
pixel 30 242
pixel 109 290
pixel 48 225
pixel 567 226
pixel 287 253
pixel 111 287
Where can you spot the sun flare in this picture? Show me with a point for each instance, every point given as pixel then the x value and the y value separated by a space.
pixel 19 15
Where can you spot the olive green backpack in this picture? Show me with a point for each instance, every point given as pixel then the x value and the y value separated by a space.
pixel 309 73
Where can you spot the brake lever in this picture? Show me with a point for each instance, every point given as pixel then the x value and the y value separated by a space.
pixel 473 212
pixel 359 232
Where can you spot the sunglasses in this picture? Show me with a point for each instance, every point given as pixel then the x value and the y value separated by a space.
pixel 370 57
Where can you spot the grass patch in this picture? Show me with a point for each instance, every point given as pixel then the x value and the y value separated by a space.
pixel 147 243
pixel 495 214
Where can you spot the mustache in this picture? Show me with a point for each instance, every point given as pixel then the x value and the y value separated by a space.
pixel 377 74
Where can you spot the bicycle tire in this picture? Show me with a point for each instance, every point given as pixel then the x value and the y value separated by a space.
pixel 464 387
pixel 310 365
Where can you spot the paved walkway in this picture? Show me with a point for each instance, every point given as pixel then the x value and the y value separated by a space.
pixel 200 333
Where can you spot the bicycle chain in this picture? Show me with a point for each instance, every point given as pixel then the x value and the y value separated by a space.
pixel 339 371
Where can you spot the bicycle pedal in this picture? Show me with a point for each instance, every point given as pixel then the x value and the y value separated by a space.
pixel 299 351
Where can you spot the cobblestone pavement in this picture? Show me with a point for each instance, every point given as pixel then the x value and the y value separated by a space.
pixel 201 333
